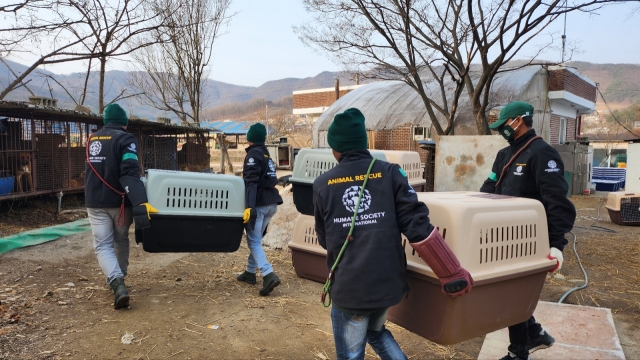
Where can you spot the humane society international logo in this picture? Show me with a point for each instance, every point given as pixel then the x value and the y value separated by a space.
pixel 553 166
pixel 518 171
pixel 95 148
pixel 350 199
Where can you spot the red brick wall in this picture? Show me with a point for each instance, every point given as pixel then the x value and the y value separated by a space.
pixel 568 81
pixel 399 138
pixel 571 129
pixel 555 129
pixel 317 99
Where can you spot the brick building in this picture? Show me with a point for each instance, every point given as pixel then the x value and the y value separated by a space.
pixel 397 119
pixel 314 102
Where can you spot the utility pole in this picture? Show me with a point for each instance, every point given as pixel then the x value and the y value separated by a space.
pixel 337 84
pixel 266 118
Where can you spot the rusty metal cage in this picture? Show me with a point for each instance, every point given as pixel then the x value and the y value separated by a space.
pixel 42 149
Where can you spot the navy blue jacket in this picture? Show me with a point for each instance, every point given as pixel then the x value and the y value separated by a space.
pixel 537 173
pixel 260 179
pixel 113 152
pixel 372 271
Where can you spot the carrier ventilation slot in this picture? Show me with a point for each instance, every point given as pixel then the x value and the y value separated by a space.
pixel 310 236
pixel 315 168
pixel 413 170
pixel 630 209
pixel 507 242
pixel 197 198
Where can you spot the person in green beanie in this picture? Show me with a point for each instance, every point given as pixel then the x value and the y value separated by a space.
pixel 111 172
pixel 370 276
pixel 262 199
pixel 531 168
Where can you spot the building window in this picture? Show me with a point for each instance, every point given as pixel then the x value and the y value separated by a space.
pixel 562 132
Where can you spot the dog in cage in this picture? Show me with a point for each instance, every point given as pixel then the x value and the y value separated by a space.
pixel 23 170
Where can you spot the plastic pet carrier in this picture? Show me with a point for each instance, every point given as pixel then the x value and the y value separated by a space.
pixel 197 212
pixel 311 163
pixel 308 257
pixel 503 242
pixel 624 208
pixel 410 162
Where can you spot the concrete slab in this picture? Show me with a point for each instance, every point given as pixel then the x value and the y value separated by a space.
pixel 581 332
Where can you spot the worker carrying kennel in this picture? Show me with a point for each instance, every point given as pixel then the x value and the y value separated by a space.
pixel 361 207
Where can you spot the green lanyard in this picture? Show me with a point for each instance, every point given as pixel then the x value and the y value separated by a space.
pixel 326 290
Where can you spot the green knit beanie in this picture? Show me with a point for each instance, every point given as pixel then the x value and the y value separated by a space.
pixel 347 131
pixel 257 134
pixel 114 114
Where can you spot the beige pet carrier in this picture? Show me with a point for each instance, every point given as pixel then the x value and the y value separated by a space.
pixel 624 207
pixel 502 241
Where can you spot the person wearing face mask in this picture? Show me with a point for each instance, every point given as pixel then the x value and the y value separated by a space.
pixel 531 168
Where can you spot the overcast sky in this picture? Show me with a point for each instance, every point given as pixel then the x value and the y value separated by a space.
pixel 260 44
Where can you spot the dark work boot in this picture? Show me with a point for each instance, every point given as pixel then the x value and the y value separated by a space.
pixel 120 294
pixel 249 278
pixel 269 282
pixel 541 341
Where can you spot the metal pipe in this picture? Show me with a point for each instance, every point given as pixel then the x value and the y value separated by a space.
pixel 60 194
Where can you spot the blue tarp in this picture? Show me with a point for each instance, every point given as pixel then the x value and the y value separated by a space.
pixel 229 127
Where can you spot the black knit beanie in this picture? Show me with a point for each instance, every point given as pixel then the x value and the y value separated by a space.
pixel 114 114
pixel 257 134
pixel 347 131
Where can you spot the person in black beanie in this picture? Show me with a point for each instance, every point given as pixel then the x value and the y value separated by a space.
pixel 262 199
pixel 371 275
pixel 112 186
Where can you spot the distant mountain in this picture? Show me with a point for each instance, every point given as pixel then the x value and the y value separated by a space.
pixel 620 84
pixel 215 94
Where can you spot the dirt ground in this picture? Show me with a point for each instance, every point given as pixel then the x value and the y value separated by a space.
pixel 55 304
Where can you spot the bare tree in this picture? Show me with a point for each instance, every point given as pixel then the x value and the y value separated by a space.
pixel 433 45
pixel 280 125
pixel 176 68
pixel 77 30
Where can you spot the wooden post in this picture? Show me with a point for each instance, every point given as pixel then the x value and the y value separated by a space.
pixel 222 152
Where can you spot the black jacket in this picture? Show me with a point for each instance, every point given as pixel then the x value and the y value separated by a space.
pixel 113 152
pixel 371 273
pixel 260 179
pixel 537 173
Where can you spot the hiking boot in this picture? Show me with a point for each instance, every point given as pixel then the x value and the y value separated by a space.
pixel 542 341
pixel 249 278
pixel 512 356
pixel 120 294
pixel 269 282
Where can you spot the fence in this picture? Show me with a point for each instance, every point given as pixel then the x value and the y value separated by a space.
pixel 42 150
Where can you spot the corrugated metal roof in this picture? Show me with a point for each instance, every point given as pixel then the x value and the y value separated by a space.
pixel 389 104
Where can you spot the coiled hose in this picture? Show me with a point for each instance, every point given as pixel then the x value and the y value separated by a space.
pixel 586 278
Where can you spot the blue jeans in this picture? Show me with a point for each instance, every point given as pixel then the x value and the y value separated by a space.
pixel 257 257
pixel 110 241
pixel 352 332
